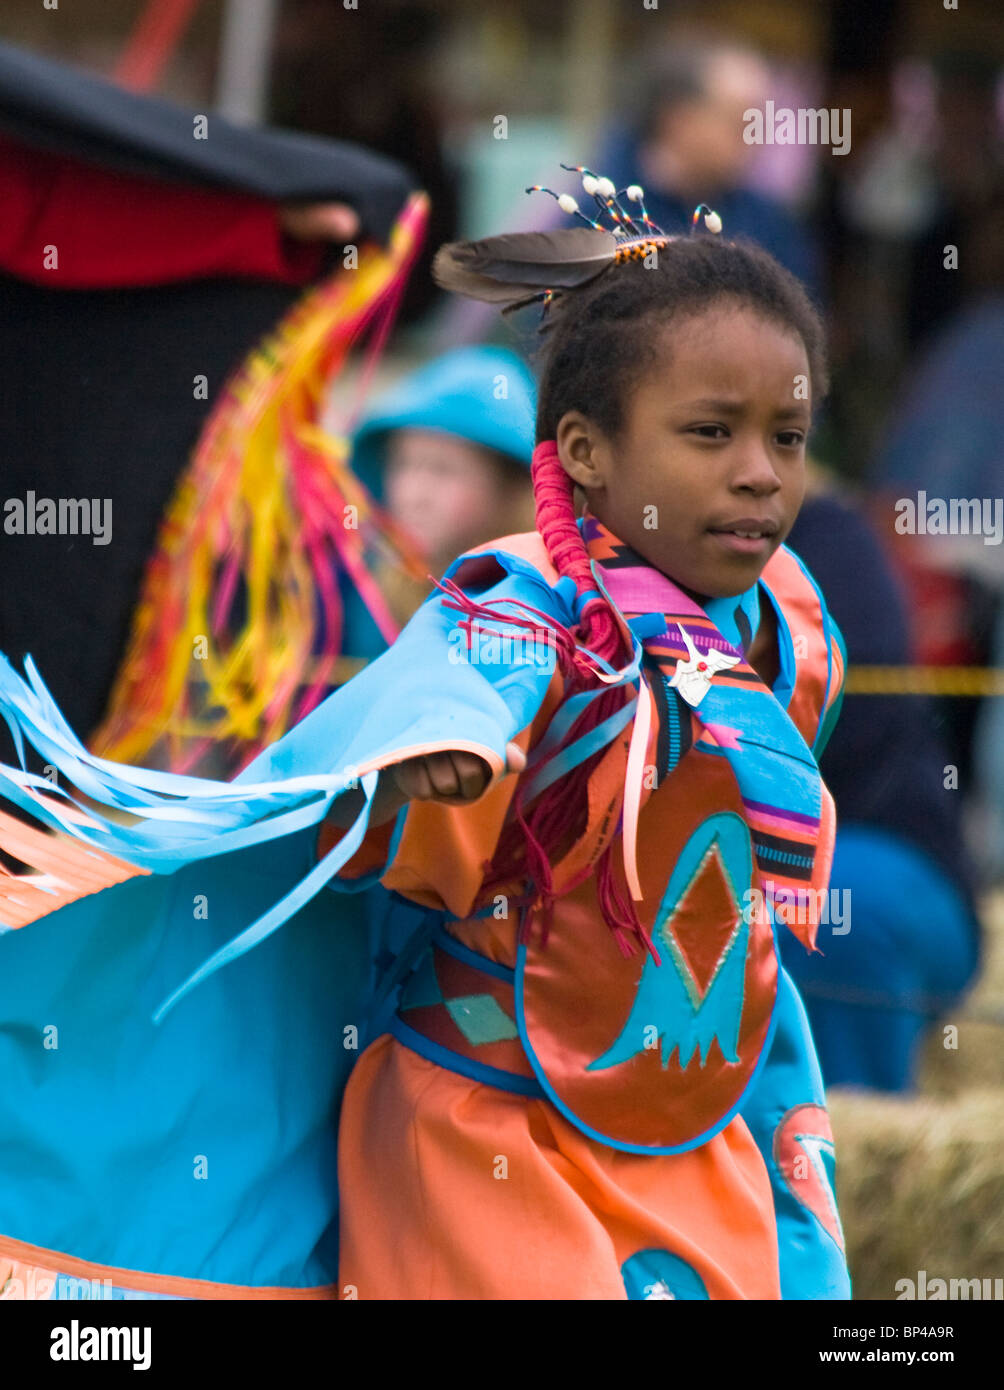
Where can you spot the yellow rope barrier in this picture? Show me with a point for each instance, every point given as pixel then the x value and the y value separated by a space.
pixel 925 680
pixel 976 681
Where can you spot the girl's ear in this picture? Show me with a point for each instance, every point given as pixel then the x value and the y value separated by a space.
pixel 581 450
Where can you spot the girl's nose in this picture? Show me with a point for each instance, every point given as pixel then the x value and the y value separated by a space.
pixel 755 473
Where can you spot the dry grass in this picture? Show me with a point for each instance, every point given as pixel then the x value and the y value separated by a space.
pixel 921 1181
pixel 921 1186
pixel 979 1059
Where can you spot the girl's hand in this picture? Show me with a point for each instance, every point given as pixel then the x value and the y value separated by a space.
pixel 452 777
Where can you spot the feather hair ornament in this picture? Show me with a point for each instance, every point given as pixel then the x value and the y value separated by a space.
pixel 500 269
pixel 239 630
pixel 521 268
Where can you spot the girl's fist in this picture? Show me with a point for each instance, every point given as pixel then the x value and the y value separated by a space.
pixel 453 777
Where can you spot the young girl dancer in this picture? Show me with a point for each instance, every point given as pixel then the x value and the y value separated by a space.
pixel 598 1083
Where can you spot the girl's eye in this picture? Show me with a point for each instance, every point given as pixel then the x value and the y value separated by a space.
pixel 791 439
pixel 710 431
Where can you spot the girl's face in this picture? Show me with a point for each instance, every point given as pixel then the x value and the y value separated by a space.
pixel 706 476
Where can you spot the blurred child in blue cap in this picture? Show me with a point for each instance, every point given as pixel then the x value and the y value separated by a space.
pixel 447 452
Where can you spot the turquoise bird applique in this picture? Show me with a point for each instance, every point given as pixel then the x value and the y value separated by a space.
pixel 695 995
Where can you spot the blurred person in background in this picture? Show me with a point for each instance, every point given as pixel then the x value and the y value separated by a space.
pixel 898 216
pixel 447 451
pixel 901 943
pixel 686 147
pixel 964 155
pixel 135 261
pixel 945 438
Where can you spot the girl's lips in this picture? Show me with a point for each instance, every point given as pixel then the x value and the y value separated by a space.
pixel 744 545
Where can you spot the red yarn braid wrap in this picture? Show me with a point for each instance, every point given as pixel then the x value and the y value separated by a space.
pixel 537 839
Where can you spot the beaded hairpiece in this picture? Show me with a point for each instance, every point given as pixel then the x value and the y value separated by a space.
pixel 523 268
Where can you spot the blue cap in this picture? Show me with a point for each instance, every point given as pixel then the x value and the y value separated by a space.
pixel 486 395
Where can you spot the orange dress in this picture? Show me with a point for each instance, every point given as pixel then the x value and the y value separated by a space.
pixel 454 1188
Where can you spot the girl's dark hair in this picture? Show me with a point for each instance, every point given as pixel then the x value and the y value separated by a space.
pixel 600 338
